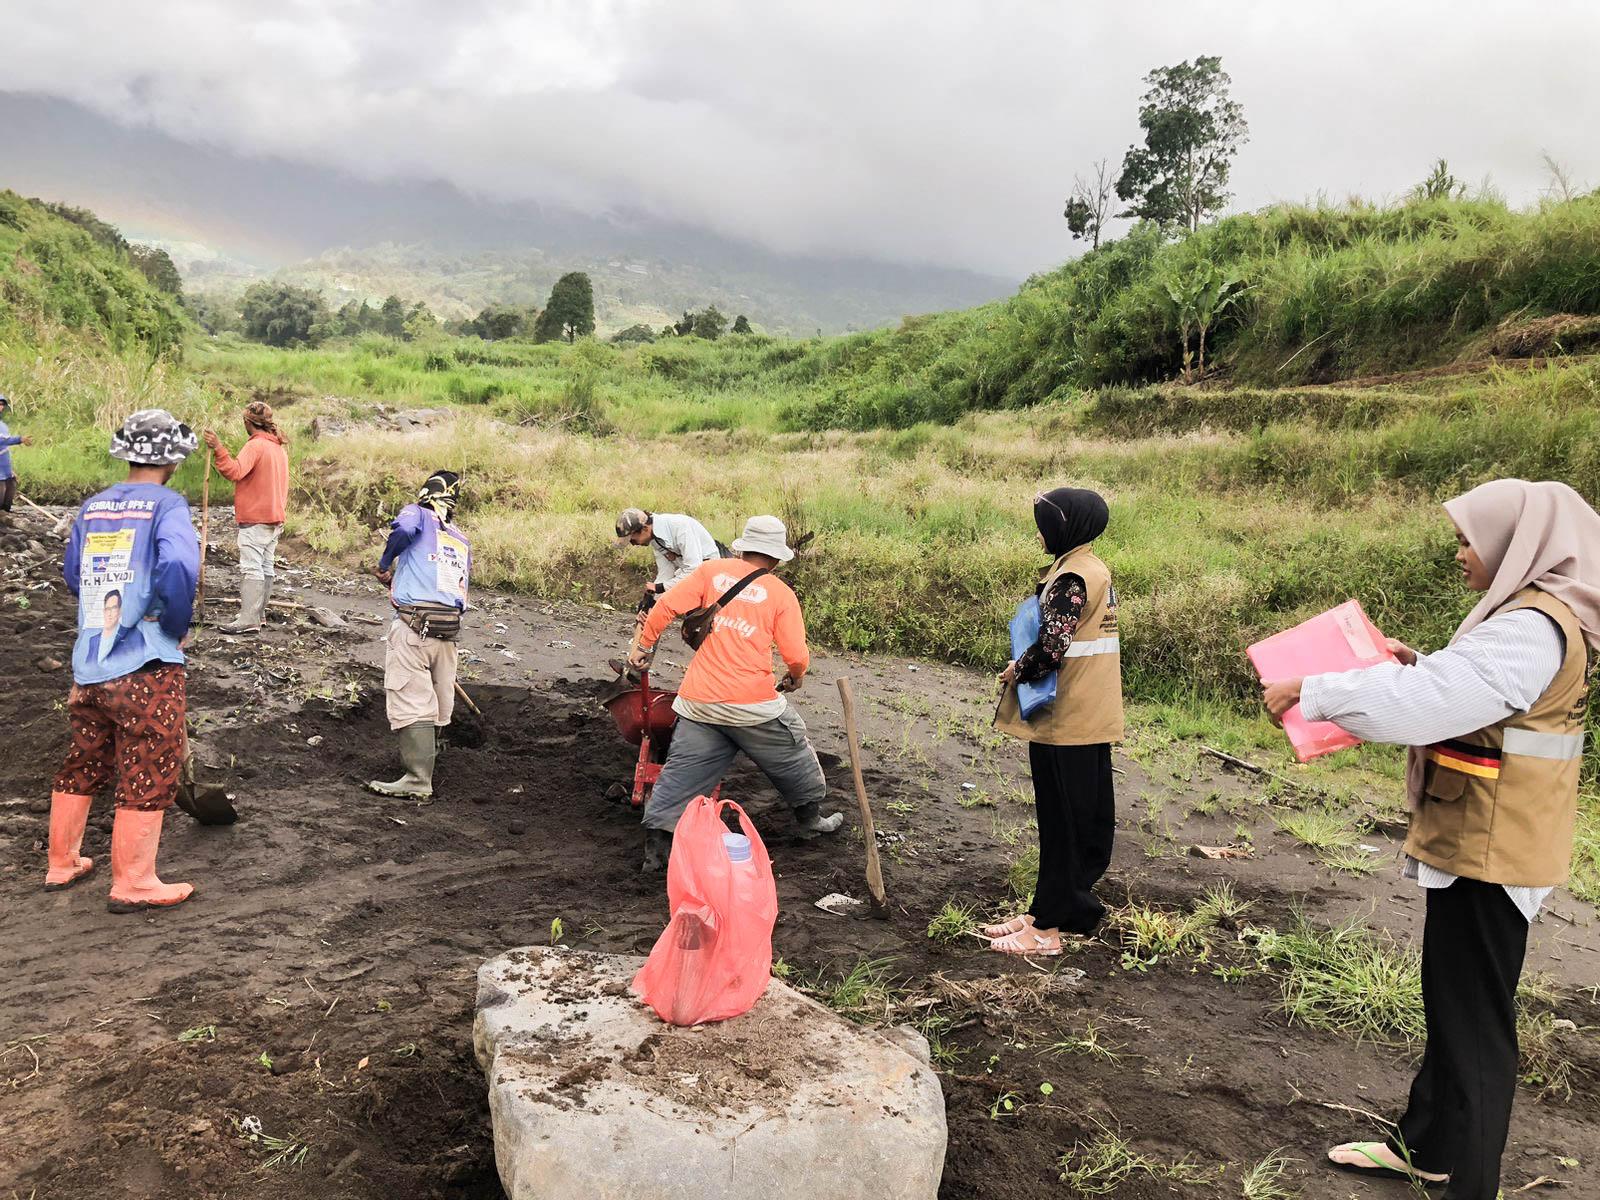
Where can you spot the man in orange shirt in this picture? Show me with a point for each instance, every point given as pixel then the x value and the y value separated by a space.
pixel 728 700
pixel 260 495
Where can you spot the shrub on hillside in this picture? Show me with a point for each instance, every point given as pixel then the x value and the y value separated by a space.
pixel 279 314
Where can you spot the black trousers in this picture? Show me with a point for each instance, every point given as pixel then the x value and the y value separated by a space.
pixel 1473 942
pixel 8 493
pixel 1077 808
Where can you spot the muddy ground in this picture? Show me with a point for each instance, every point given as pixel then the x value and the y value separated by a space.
pixel 319 985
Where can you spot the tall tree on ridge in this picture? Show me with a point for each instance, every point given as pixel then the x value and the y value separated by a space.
pixel 1089 206
pixel 570 312
pixel 392 317
pixel 710 324
pixel 1192 130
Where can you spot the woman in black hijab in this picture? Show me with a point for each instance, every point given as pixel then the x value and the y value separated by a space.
pixel 1069 739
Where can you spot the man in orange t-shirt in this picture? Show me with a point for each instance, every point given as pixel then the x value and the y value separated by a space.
pixel 260 478
pixel 728 700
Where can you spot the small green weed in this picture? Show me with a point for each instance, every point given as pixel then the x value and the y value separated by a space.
pixel 1007 1104
pixel 864 993
pixel 1319 830
pixel 290 1151
pixel 1349 979
pixel 953 922
pixel 1265 1180
pixel 1087 1043
pixel 1106 1161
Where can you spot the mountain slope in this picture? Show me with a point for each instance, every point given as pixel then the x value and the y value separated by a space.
pixel 73 271
pixel 429 241
pixel 633 283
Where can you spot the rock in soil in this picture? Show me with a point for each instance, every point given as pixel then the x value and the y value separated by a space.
pixel 592 1095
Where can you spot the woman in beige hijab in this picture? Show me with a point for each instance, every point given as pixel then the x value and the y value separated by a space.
pixel 1495 722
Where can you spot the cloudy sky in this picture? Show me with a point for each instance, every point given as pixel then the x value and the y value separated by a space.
pixel 941 132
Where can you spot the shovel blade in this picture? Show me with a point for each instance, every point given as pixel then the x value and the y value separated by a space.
pixel 207 803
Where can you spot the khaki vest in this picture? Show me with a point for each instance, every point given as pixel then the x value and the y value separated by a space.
pixel 1500 805
pixel 1088 706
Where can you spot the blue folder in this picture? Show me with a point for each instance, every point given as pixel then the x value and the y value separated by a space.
pixel 1031 697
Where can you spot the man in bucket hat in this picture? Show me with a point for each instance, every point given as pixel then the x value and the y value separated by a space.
pixel 131 561
pixel 728 700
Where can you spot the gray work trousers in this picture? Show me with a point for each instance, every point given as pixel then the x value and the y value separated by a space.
pixel 701 754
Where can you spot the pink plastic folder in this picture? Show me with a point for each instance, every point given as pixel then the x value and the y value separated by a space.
pixel 1341 639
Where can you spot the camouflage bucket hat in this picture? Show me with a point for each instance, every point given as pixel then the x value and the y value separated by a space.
pixel 153 437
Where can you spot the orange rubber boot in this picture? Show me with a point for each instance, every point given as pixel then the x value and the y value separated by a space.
pixel 134 838
pixel 68 815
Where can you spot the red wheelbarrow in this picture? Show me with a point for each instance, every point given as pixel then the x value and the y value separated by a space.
pixel 645 719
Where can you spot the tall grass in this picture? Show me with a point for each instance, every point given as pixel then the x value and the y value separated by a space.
pixel 69 392
pixel 1323 293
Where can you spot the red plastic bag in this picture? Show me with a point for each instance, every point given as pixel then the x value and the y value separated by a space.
pixel 1341 639
pixel 714 959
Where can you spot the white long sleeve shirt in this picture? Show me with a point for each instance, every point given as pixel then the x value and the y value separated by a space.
pixel 1498 669
pixel 680 544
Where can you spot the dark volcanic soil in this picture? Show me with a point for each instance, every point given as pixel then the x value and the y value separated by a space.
pixel 319 986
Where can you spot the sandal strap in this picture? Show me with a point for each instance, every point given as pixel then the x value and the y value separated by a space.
pixel 1012 943
pixel 1405 1170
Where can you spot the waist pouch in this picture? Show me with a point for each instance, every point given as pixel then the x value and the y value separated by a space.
pixel 699 622
pixel 440 621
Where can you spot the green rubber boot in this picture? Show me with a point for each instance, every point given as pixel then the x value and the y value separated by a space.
pixel 417 750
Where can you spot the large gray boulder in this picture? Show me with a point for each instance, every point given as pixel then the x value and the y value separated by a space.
pixel 593 1096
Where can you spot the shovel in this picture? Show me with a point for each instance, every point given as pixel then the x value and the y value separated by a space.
pixel 869 833
pixel 207 803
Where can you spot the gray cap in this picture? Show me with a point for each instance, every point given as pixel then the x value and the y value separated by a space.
pixel 764 535
pixel 630 522
pixel 153 437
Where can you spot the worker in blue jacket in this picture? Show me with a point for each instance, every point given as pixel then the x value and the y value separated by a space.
pixel 8 476
pixel 132 562
pixel 427 563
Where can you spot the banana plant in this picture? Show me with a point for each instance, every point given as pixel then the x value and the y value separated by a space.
pixel 1199 296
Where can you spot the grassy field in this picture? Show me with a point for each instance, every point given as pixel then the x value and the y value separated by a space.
pixel 1239 505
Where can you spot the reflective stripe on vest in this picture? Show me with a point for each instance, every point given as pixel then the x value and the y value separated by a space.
pixel 1559 746
pixel 1105 645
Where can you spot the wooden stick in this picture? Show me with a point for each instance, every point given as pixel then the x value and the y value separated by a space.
pixel 281 605
pixel 1234 762
pixel 462 692
pixel 205 530
pixel 54 528
pixel 869 832
pixel 1261 772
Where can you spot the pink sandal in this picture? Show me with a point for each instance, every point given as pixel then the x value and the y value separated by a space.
pixel 1015 925
pixel 1044 945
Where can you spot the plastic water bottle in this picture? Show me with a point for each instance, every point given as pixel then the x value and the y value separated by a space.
pixel 742 885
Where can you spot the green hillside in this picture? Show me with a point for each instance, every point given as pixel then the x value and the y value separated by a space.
pixel 88 333
pixel 81 274
pixel 1289 295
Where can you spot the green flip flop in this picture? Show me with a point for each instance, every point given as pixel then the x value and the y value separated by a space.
pixel 1378 1166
